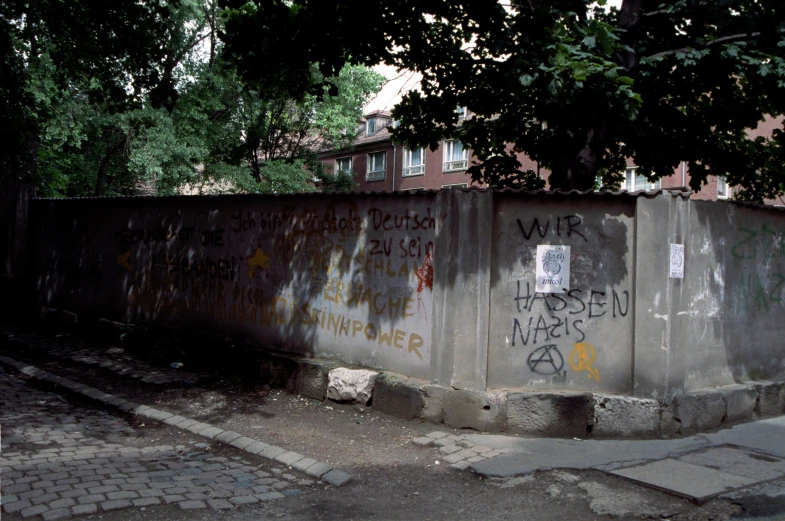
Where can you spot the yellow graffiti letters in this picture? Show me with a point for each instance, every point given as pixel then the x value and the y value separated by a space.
pixel 122 260
pixel 396 338
pixel 280 310
pixel 259 260
pixel 356 295
pixel 582 358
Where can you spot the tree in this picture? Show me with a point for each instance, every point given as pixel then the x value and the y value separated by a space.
pixel 263 133
pixel 92 116
pixel 109 47
pixel 574 84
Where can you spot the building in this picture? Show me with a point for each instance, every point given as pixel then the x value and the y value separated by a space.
pixel 379 165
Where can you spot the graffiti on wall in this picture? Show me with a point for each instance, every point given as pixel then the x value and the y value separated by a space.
pixel 549 321
pixel 362 276
pixel 567 226
pixel 582 358
pixel 759 286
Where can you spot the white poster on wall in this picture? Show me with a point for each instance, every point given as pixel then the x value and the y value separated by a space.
pixel 553 269
pixel 677 261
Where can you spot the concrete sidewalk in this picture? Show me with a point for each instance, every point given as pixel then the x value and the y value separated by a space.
pixel 699 468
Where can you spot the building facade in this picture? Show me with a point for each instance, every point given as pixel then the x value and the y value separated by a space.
pixel 377 164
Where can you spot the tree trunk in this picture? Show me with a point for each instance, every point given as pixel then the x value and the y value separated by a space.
pixel 579 171
pixel 100 184
pixel 630 16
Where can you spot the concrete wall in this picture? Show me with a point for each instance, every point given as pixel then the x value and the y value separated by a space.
pixel 580 339
pixel 341 277
pixel 16 296
pixel 732 323
pixel 440 286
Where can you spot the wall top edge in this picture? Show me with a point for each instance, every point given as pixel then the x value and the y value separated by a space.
pixel 408 193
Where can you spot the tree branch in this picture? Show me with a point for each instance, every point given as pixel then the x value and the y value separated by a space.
pixel 732 38
pixel 659 11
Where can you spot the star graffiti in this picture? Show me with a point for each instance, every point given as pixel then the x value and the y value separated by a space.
pixel 259 260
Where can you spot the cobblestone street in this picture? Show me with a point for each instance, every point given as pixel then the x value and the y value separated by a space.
pixel 59 460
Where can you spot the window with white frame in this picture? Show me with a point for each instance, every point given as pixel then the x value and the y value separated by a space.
pixel 456 157
pixel 723 192
pixel 377 166
pixel 461 111
pixel 413 161
pixel 634 181
pixel 456 185
pixel 343 164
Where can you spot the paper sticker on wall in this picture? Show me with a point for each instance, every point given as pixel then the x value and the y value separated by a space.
pixel 553 269
pixel 677 261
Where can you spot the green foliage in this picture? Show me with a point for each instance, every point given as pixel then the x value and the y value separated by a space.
pixel 163 112
pixel 577 86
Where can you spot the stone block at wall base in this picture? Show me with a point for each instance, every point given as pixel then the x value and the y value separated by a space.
pixel 625 417
pixel 58 317
pixel 481 411
pixel 740 402
pixel 312 378
pixel 49 315
pixel 433 411
pixel 669 425
pixel 351 385
pixel 399 396
pixel 550 414
pixel 68 318
pixel 699 411
pixel 771 398
pixel 278 371
pixel 112 331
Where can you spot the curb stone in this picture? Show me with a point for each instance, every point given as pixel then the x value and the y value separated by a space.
pixel 336 478
pixel 581 414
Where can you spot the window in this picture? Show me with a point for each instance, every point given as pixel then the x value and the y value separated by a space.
pixel 634 181
pixel 343 164
pixel 413 161
pixel 412 189
pixel 457 185
pixel 461 111
pixel 377 166
pixel 455 156
pixel 722 188
pixel 371 127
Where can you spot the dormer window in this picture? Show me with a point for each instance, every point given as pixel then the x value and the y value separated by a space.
pixel 371 127
pixel 461 111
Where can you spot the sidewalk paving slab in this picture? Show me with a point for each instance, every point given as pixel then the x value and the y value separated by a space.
pixel 740 462
pixel 686 479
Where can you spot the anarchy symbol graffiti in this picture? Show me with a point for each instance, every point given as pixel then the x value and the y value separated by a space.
pixel 545 360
